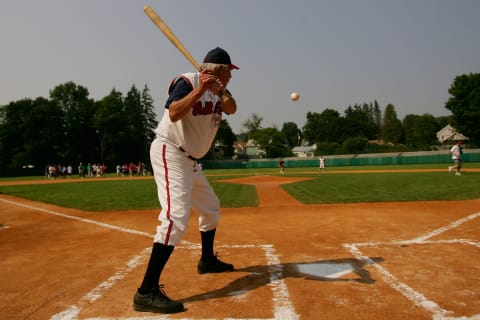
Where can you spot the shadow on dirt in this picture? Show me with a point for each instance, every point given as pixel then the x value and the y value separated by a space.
pixel 323 270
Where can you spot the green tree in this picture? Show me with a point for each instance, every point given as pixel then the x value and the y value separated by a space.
pixel 324 127
pixel 226 138
pixel 135 139
pixel 273 141
pixel 464 104
pixel 443 121
pixel 360 122
pixel 377 115
pixel 111 126
pixel 13 133
pixel 420 132
pixel 44 134
pixel 31 133
pixel 354 145
pixel 149 119
pixel 80 140
pixel 252 124
pixel 71 128
pixel 293 133
pixel 391 126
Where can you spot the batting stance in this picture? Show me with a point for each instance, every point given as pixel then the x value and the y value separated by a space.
pixel 185 133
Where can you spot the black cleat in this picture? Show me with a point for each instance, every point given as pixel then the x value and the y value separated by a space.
pixel 156 301
pixel 213 265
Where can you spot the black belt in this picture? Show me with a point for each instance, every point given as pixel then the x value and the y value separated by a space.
pixel 188 156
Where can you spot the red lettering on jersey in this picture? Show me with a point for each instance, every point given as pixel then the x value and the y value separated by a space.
pixel 197 108
pixel 208 108
pixel 218 108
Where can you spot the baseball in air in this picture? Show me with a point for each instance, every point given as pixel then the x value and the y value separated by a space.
pixel 294 96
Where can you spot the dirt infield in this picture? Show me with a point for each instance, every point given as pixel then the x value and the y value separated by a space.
pixel 406 260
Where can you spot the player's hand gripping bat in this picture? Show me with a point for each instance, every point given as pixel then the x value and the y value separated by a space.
pixel 228 102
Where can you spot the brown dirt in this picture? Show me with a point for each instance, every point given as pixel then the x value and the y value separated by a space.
pixel 83 264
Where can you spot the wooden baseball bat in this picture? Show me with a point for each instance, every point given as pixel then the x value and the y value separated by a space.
pixel 170 35
pixel 228 102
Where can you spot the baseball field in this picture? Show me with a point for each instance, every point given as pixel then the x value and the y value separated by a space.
pixel 339 244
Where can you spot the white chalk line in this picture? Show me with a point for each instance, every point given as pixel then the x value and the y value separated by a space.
pixel 446 228
pixel 97 223
pixel 95 294
pixel 282 306
pixel 411 294
pixel 165 317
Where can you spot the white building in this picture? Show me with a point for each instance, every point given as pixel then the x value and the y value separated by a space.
pixel 449 133
pixel 304 151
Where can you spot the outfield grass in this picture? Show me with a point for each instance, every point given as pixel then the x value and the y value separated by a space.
pixel 330 187
pixel 378 187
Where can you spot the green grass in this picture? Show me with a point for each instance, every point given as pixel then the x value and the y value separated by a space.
pixel 119 195
pixel 235 195
pixel 91 196
pixel 127 194
pixel 290 170
pixel 373 187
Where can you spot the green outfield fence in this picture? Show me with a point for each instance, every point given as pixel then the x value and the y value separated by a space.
pixel 373 159
pixel 424 157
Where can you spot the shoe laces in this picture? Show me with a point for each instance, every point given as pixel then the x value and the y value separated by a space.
pixel 159 290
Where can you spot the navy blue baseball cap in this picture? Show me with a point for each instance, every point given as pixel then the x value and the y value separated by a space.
pixel 219 56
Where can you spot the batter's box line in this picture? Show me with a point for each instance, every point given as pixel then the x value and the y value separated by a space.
pixel 411 294
pixel 282 306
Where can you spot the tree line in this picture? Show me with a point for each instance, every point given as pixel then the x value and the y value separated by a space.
pixel 69 127
pixel 367 128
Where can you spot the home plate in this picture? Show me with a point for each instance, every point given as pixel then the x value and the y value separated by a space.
pixel 326 270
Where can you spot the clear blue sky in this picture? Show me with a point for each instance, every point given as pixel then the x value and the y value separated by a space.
pixel 335 53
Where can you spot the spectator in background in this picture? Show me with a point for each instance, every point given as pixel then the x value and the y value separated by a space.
pixel 131 168
pixel 81 170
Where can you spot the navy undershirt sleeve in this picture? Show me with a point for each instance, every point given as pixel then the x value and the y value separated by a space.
pixel 180 89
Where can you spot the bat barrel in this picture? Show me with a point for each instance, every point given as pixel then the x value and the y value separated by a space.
pixel 169 34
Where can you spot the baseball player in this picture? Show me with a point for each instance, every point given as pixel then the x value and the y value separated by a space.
pixel 456 152
pixel 322 163
pixel 185 133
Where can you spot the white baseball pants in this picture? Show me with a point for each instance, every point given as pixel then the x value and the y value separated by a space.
pixel 181 186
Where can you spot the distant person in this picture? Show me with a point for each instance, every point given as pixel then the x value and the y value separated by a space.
pixel 456 152
pixel 131 169
pixel 281 164
pixel 81 170
pixel 322 163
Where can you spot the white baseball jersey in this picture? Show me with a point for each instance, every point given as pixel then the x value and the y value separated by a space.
pixel 180 184
pixel 456 152
pixel 196 131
